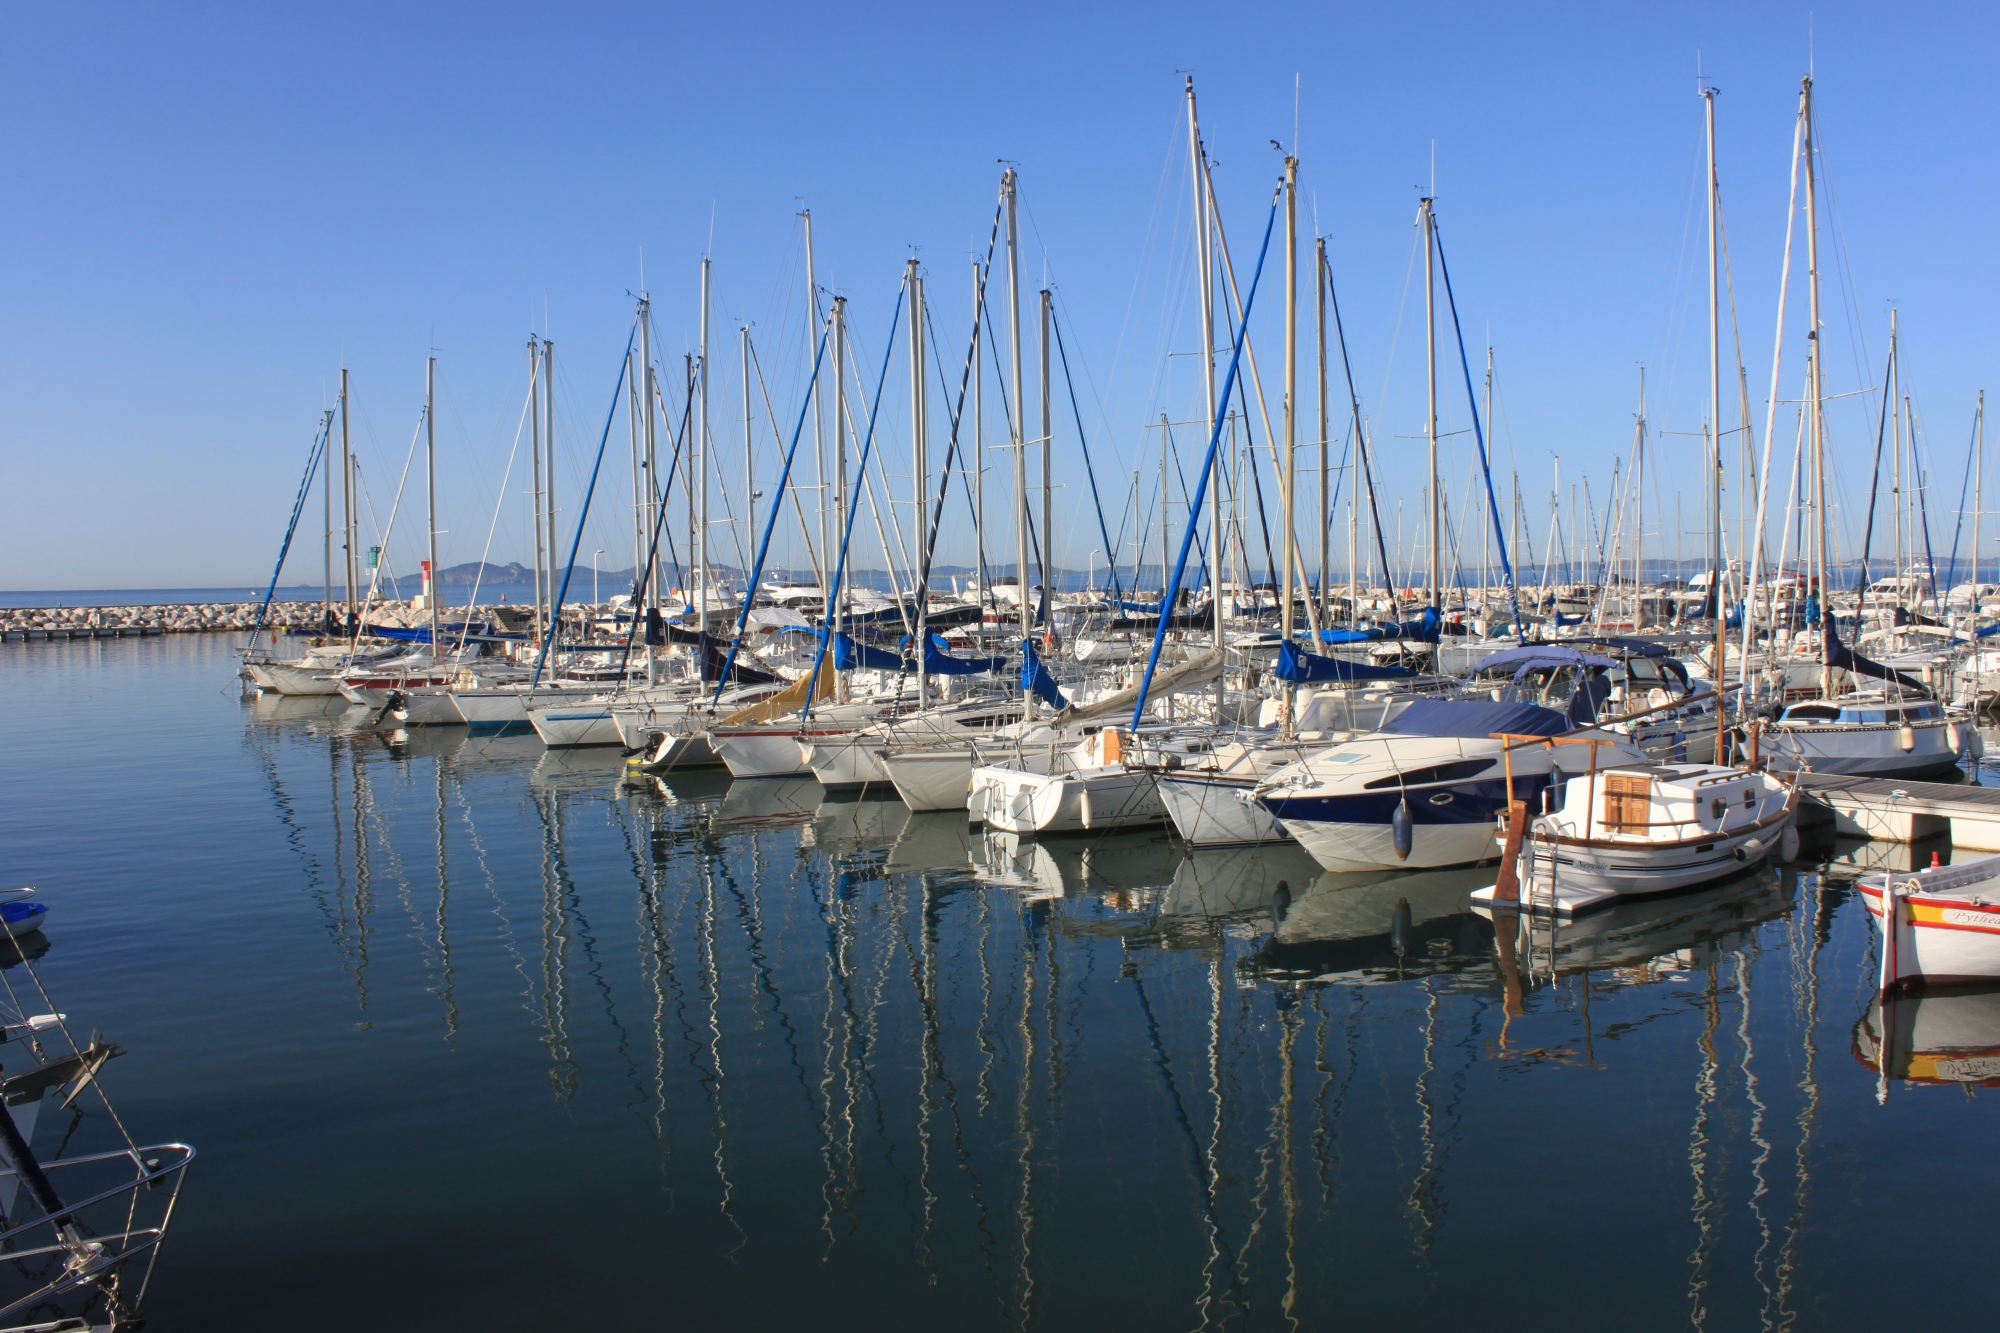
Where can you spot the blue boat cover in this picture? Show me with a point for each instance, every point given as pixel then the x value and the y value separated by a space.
pixel 1530 656
pixel 1476 717
pixel 848 655
pixel 1839 654
pixel 1036 677
pixel 938 660
pixel 1297 665
pixel 1424 629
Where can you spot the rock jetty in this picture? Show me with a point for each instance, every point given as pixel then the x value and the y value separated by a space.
pixel 105 622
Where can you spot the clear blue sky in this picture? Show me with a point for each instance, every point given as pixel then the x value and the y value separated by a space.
pixel 209 209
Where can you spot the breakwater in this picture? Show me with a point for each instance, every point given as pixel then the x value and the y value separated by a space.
pixel 117 622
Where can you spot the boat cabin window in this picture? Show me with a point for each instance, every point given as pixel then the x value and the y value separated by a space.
pixel 1811 713
pixel 1418 777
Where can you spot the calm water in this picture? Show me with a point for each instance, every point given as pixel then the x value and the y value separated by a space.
pixel 471 1035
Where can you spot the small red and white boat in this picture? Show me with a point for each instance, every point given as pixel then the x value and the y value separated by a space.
pixel 1940 926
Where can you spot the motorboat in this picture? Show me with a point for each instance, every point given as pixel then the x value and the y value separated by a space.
pixel 1427 790
pixel 1628 830
pixel 1940 926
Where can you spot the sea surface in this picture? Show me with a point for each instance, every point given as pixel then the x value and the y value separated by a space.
pixel 472 1035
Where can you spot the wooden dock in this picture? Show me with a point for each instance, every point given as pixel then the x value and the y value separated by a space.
pixel 1891 811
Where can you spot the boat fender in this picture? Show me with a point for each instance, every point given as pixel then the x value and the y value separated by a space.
pixel 1952 738
pixel 1788 844
pixel 1750 851
pixel 1401 829
pixel 1906 738
pixel 1281 903
pixel 1400 926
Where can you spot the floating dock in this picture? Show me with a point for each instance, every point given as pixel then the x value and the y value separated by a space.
pixel 1891 811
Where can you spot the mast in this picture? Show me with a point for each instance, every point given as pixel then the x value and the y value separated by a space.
pixel 749 462
pixel 1291 418
pixel 347 499
pixel 1978 500
pixel 1436 570
pixel 1166 531
pixel 979 446
pixel 535 484
pixel 1198 164
pixel 650 471
pixel 1486 514
pixel 326 503
pixel 1325 482
pixel 919 466
pixel 549 490
pixel 1048 492
pixel 836 614
pixel 1895 390
pixel 1018 429
pixel 1639 486
pixel 431 486
pixel 700 444
pixel 818 404
pixel 1720 566
pixel 1815 389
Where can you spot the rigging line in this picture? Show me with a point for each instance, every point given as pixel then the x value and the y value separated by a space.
pixel 1479 436
pixel 1207 465
pixel 375 576
pixel 771 517
pixel 847 534
pixel 472 599
pixel 812 555
pixel 1924 501
pixel 957 418
pixel 1964 488
pixel 319 444
pixel 643 576
pixel 1111 552
pixel 555 620
pixel 1360 436
pixel 1875 473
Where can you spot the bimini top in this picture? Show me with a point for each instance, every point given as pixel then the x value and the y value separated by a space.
pixel 1477 717
pixel 1530 656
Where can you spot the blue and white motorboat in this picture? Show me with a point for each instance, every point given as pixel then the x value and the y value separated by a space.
pixel 1428 789
pixel 22 915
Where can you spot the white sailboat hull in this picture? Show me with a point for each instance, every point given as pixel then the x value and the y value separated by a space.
pixel 1217 812
pixel 428 708
pixel 571 725
pixel 1862 751
pixel 1016 801
pixel 284 678
pixel 932 779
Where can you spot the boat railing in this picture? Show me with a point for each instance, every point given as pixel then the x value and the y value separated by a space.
pixel 91 1241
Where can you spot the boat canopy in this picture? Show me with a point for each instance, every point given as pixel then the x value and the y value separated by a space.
pixel 1477 717
pixel 1540 656
pixel 1839 654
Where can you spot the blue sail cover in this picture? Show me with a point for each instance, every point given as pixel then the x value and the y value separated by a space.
pixel 848 655
pixel 1036 677
pixel 1476 718
pixel 1297 665
pixel 1424 629
pixel 1839 654
pixel 938 661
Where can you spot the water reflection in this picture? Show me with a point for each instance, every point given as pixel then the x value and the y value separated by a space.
pixel 880 1060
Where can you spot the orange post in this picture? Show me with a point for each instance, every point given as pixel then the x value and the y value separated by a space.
pixel 1507 888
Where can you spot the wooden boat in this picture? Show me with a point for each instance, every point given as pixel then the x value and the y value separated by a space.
pixel 1634 829
pixel 1940 926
